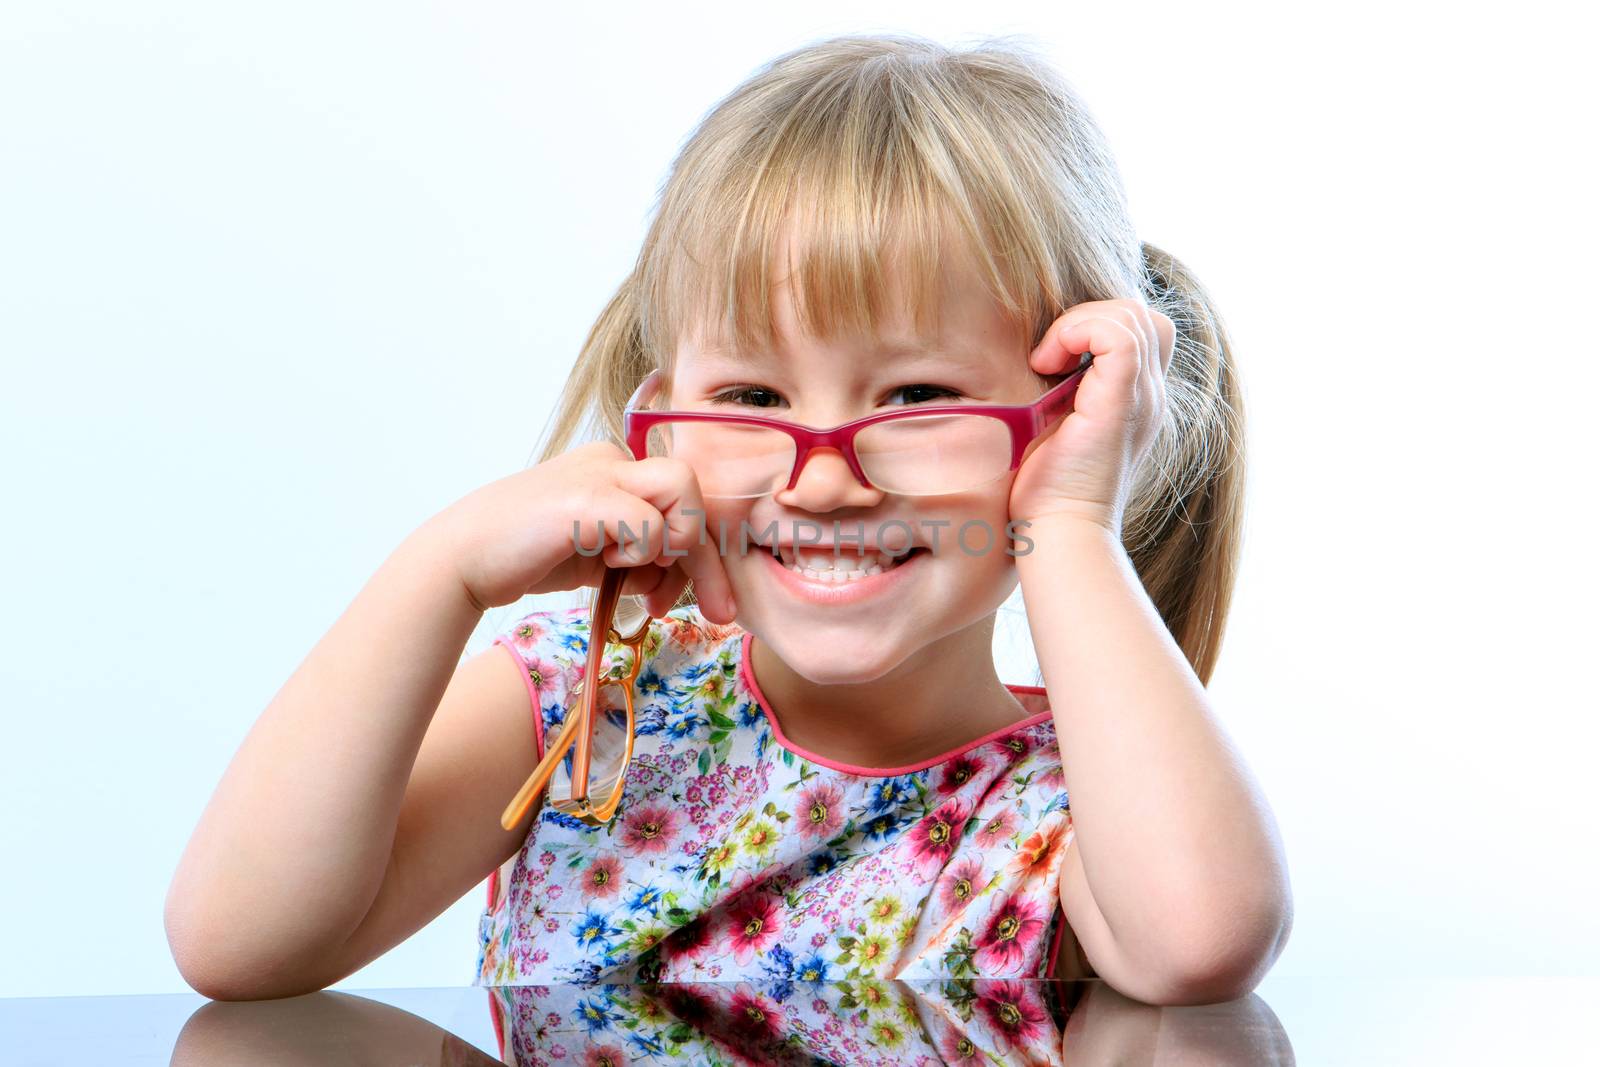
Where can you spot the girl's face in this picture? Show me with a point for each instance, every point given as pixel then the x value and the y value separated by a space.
pixel 845 632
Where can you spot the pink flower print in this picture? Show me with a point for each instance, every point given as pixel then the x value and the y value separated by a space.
pixel 650 829
pixel 935 837
pixel 754 922
pixel 999 828
pixel 1037 856
pixel 690 942
pixel 960 883
pixel 545 676
pixel 1052 779
pixel 525 636
pixel 606 1056
pixel 1015 1012
pixel 958 772
pixel 1011 930
pixel 958 1050
pixel 1013 746
pixel 603 877
pixel 820 811
pixel 754 1017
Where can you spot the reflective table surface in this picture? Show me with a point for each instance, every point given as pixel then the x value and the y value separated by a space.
pixel 1289 1020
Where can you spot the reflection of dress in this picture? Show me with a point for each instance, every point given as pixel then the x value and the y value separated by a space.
pixel 866 1022
pixel 736 855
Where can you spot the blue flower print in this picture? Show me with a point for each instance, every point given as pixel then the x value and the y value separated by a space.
pixel 778 962
pixel 824 862
pixel 563 820
pixel 647 1044
pixel 645 899
pixel 595 1013
pixel 650 720
pixel 778 969
pixel 890 793
pixel 696 673
pixel 813 971
pixel 748 714
pixel 882 826
pixel 552 715
pixel 585 973
pixel 573 641
pixel 650 682
pixel 593 929
pixel 683 726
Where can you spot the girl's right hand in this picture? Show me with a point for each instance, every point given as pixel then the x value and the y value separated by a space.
pixel 516 536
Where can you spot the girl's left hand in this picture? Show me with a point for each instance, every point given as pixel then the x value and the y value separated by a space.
pixel 1084 467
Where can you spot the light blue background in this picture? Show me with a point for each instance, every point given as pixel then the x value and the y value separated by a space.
pixel 279 283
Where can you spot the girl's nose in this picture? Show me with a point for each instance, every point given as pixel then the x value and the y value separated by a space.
pixel 826 483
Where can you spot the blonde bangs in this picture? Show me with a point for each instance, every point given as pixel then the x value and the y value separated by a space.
pixel 857 191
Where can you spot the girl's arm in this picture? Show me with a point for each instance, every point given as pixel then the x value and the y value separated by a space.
pixel 367 797
pixel 1175 882
pixel 364 801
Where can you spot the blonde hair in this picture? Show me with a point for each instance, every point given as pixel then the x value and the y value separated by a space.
pixel 876 145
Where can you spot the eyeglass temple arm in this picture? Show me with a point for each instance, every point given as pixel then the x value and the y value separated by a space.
pixel 605 609
pixel 553 754
pixel 1058 401
pixel 555 751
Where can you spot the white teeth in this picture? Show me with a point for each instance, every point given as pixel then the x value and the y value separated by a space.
pixel 826 567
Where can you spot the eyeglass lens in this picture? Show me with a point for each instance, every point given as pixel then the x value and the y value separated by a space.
pixel 920 456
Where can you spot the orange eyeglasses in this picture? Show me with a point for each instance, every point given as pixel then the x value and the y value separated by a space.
pixel 600 747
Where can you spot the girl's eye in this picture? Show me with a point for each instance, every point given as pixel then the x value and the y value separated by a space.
pixel 937 391
pixel 743 394
pixel 756 395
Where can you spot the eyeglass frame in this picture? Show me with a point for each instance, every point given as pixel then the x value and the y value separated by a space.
pixel 1026 422
pixel 577 731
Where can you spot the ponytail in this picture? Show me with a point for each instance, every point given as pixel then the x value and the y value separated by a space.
pixel 1184 524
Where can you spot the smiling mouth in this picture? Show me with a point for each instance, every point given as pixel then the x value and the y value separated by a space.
pixel 824 566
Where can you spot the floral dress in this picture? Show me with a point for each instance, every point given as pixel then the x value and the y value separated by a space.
pixel 738 855
pixel 869 1022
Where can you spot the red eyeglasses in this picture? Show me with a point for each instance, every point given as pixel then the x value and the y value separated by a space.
pixel 933 449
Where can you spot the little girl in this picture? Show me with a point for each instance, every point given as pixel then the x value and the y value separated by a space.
pixel 829 781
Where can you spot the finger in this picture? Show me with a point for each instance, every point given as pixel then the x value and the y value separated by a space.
pixel 1166 340
pixel 1159 333
pixel 1053 356
pixel 645 580
pixel 660 600
pixel 670 486
pixel 1143 316
pixel 1111 385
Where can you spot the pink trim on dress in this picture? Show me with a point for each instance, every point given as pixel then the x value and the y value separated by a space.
pixel 533 696
pixel 747 676
pixel 538 736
